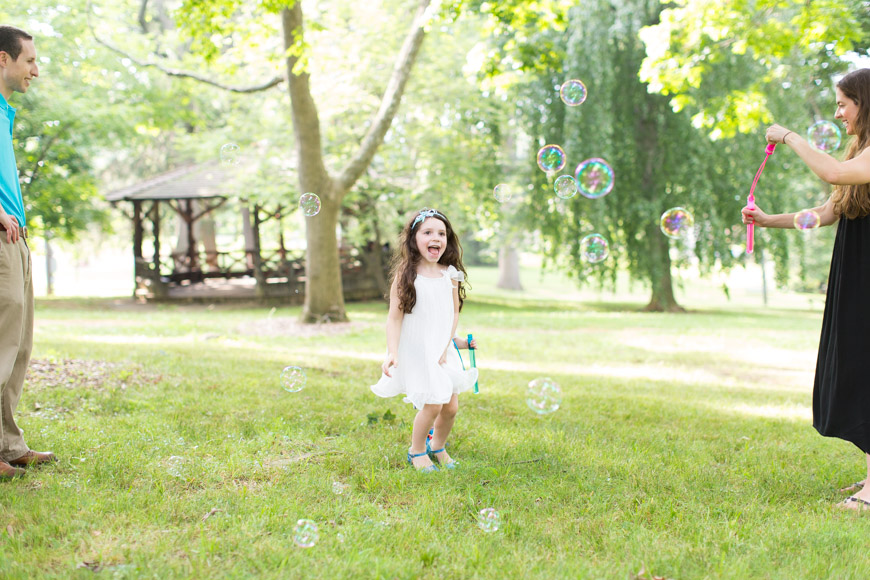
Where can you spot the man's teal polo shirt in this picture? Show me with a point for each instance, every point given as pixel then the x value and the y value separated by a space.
pixel 10 188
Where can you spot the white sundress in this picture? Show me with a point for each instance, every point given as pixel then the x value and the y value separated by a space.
pixel 424 336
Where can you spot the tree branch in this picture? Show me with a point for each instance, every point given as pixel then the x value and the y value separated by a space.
pixel 389 103
pixel 143 22
pixel 173 72
pixel 313 175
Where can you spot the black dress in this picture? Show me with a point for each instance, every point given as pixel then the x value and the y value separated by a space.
pixel 841 394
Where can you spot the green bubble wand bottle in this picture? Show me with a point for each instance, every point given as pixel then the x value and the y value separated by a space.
pixel 473 360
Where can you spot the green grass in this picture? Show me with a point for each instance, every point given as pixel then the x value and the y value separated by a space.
pixel 683 445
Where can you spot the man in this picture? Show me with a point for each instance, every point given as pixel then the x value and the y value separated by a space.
pixel 17 69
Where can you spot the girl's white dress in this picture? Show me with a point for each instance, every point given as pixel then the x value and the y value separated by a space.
pixel 424 336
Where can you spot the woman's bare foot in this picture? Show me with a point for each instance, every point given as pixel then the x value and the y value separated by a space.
pixel 857 486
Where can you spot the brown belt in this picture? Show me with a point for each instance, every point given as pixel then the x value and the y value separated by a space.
pixel 22 231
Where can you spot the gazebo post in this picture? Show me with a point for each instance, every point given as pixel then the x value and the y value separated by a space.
pixel 155 229
pixel 138 234
pixel 259 276
pixel 192 261
pixel 137 230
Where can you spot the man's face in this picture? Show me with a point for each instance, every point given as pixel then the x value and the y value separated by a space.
pixel 19 72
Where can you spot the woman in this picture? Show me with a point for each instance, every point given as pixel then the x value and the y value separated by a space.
pixel 841 394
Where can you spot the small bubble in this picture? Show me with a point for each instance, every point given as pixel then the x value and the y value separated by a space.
pixel 305 533
pixel 488 520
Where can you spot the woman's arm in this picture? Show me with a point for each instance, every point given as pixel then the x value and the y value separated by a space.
pixel 786 220
pixel 855 171
pixel 394 329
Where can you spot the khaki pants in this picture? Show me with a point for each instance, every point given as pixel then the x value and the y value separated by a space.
pixel 16 339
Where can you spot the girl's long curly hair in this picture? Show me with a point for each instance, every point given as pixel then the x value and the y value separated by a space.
pixel 407 257
pixel 853 201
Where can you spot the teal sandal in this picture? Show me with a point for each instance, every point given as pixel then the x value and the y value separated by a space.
pixel 433 454
pixel 428 468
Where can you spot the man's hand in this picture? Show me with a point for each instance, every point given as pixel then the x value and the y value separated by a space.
pixel 10 224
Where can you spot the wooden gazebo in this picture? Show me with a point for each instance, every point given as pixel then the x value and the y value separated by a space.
pixel 190 196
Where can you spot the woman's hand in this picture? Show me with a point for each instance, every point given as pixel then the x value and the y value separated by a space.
pixel 776 134
pixel 390 361
pixel 473 343
pixel 755 216
pixel 443 358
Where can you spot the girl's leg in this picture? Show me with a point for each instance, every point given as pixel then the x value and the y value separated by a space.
pixel 443 425
pixel 422 423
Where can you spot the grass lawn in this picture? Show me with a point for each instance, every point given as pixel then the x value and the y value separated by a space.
pixel 684 445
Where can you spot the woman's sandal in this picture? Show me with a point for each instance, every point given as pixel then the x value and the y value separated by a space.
pixel 428 468
pixel 863 505
pixel 857 486
pixel 433 454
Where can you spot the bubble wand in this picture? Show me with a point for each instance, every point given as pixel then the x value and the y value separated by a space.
pixel 473 361
pixel 750 199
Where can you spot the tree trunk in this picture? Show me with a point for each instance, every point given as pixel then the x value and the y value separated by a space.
pixel 662 299
pixel 324 300
pixel 509 268
pixel 324 296
pixel 49 265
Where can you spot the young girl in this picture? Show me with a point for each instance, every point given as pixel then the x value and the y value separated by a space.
pixel 841 401
pixel 426 296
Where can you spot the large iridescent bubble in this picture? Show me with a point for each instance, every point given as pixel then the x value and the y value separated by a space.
pixel 806 219
pixel 824 136
pixel 594 178
pixel 565 186
pixel 677 222
pixel 551 158
pixel 573 92
pixel 310 204
pixel 594 248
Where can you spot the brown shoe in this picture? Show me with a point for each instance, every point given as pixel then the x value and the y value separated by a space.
pixel 34 458
pixel 9 472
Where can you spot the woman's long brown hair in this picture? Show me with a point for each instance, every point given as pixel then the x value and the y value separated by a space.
pixel 853 201
pixel 407 257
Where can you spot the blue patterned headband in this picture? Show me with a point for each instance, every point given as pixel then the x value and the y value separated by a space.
pixel 426 213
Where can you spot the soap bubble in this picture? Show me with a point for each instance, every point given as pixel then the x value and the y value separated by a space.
pixel 293 379
pixel 573 92
pixel 502 192
pixel 338 488
pixel 551 158
pixel 305 533
pixel 543 396
pixel 594 248
pixel 565 186
pixel 230 154
pixel 824 136
pixel 488 520
pixel 677 222
pixel 806 219
pixel 175 466
pixel 594 178
pixel 310 204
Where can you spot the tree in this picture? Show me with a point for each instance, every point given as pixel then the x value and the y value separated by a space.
pixel 693 53
pixel 737 66
pixel 202 22
pixel 660 160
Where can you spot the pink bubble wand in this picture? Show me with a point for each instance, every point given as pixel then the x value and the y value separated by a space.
pixel 750 199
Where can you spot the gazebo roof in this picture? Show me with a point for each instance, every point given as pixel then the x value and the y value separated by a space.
pixel 198 181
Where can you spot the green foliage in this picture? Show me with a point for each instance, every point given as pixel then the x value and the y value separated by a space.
pixel 724 59
pixel 660 159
